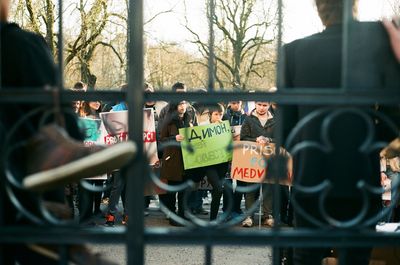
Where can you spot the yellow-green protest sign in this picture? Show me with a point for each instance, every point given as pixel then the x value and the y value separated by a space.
pixel 209 143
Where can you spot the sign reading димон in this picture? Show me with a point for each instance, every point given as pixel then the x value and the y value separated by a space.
pixel 209 144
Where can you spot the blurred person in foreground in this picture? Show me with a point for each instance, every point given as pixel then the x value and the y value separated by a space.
pixel 47 154
pixel 315 62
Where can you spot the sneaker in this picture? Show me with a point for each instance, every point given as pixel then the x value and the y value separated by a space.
pixel 55 159
pixel 269 221
pixel 125 219
pixel 248 222
pixel 110 219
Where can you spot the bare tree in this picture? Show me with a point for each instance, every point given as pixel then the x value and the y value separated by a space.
pixel 243 36
pixel 40 17
pixel 93 23
pixel 37 16
pixel 167 62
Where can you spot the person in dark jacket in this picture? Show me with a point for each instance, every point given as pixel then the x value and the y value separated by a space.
pixel 215 173
pixel 259 127
pixel 172 168
pixel 178 87
pixel 315 62
pixel 27 63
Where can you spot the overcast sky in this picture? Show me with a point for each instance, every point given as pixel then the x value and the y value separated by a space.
pixel 300 18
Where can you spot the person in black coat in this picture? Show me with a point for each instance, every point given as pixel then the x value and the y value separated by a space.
pixel 172 168
pixel 27 64
pixel 315 62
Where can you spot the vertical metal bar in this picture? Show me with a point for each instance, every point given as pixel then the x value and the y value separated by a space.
pixel 3 258
pixel 342 254
pixel 276 256
pixel 0 61
pixel 281 54
pixel 211 56
pixel 279 127
pixel 63 255
pixel 2 202
pixel 208 256
pixel 135 238
pixel 60 46
pixel 347 17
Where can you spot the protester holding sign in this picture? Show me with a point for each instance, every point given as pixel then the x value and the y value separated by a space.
pixel 236 116
pixel 150 138
pixel 172 163
pixel 195 200
pixel 89 202
pixel 178 87
pixel 216 173
pixel 259 127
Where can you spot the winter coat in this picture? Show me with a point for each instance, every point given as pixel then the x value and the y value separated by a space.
pixel 252 128
pixel 172 161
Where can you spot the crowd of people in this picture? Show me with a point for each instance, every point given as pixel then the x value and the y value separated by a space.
pixel 47 159
pixel 257 125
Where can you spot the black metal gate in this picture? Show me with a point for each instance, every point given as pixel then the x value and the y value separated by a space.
pixel 136 236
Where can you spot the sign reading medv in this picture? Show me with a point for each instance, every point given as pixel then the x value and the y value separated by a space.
pixel 209 142
pixel 251 162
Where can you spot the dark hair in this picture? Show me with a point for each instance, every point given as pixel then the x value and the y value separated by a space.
pixel 84 109
pixel 173 106
pixel 173 117
pixel 215 108
pixel 178 85
pixel 331 11
pixel 80 86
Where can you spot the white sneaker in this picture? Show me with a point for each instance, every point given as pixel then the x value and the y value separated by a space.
pixel 269 221
pixel 248 222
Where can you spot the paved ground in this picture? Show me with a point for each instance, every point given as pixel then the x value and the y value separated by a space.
pixel 192 255
pixel 184 254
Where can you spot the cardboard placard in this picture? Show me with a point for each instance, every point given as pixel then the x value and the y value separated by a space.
pixel 250 162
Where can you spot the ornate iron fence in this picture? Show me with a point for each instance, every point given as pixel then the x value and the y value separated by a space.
pixel 329 232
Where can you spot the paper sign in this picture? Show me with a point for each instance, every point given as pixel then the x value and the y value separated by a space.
pixel 251 161
pixel 115 129
pixel 209 143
